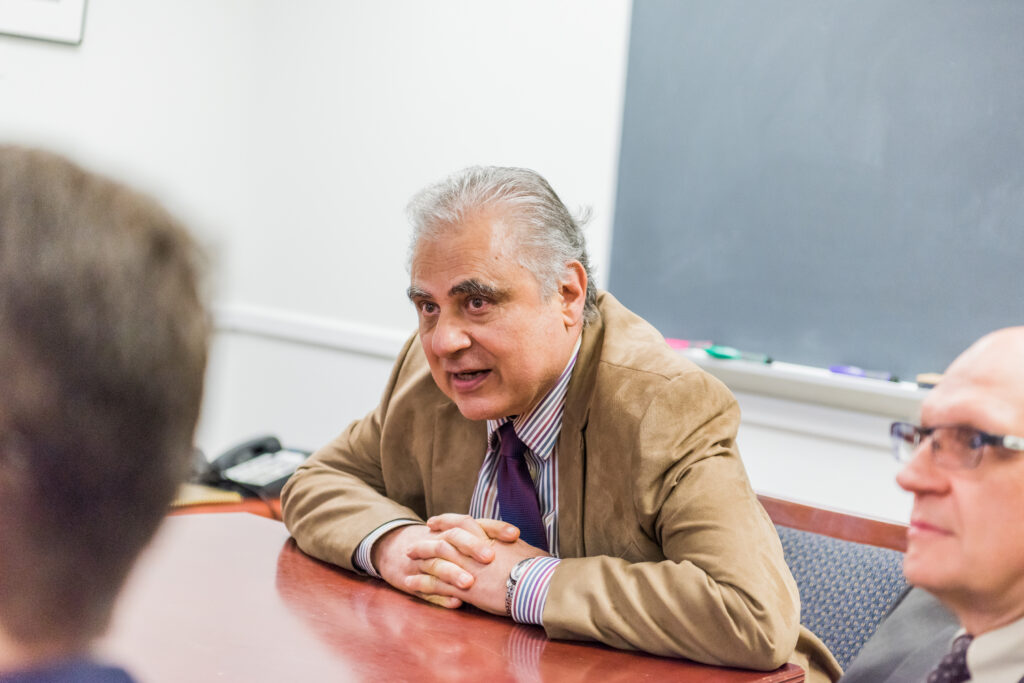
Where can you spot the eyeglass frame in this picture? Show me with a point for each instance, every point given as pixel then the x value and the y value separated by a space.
pixel 972 457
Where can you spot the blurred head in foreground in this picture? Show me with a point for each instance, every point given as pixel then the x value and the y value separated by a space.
pixel 103 346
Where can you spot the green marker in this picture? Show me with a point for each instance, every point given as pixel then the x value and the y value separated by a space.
pixel 729 353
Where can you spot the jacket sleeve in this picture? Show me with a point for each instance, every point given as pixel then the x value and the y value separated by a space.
pixel 703 575
pixel 337 497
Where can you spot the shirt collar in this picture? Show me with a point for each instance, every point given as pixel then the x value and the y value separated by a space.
pixel 538 428
pixel 997 655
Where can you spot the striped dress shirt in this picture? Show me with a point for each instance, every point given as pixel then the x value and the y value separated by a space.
pixel 539 430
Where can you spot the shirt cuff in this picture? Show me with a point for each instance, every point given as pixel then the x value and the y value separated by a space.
pixel 362 558
pixel 531 591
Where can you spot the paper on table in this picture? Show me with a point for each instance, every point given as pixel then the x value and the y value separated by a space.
pixel 197 494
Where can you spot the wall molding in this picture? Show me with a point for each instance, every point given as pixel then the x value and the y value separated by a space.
pixel 309 330
pixel 779 381
pixel 823 422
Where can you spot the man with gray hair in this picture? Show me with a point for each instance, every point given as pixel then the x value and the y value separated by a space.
pixel 541 453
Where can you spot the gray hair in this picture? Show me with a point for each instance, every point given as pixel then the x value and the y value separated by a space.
pixel 548 235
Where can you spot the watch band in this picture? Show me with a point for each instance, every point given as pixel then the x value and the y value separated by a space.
pixel 510 584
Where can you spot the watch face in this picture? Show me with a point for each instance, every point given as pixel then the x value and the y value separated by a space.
pixel 518 570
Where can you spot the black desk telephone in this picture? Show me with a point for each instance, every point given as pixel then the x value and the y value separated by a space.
pixel 258 467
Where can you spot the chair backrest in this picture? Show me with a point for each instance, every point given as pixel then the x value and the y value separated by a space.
pixel 848 570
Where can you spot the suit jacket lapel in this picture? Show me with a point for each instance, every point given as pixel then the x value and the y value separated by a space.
pixel 571 450
pixel 457 454
pixel 459 446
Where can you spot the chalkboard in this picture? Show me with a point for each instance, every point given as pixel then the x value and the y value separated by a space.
pixel 825 181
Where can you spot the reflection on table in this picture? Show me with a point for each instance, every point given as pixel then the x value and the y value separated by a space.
pixel 229 597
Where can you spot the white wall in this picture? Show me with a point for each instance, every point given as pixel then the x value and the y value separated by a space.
pixel 291 135
pixel 354 106
pixel 822 456
pixel 152 96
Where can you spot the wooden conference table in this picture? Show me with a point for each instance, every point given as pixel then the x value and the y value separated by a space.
pixel 229 597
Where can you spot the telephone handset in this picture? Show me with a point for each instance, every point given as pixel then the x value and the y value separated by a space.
pixel 258 466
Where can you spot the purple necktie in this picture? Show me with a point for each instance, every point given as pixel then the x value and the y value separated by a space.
pixel 517 497
pixel 953 667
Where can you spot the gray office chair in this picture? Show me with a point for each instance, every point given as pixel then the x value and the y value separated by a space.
pixel 846 588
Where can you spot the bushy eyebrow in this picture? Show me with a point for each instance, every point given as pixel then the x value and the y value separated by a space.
pixel 476 288
pixel 470 287
pixel 415 292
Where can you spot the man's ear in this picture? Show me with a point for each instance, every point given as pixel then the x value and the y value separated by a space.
pixel 572 293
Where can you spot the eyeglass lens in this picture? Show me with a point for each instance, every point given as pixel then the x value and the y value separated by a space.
pixel 949 446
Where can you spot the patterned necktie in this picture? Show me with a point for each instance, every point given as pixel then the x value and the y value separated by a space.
pixel 953 667
pixel 517 497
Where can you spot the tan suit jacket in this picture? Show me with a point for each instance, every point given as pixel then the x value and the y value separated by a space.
pixel 666 548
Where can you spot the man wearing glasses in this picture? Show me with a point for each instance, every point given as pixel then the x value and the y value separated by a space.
pixel 965 544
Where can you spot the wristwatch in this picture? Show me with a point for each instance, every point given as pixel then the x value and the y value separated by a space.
pixel 513 579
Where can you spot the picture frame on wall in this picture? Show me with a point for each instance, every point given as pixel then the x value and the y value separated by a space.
pixel 60 21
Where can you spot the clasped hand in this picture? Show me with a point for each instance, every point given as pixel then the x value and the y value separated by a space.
pixel 453 559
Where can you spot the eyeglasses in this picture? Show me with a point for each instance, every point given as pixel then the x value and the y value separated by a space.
pixel 953 447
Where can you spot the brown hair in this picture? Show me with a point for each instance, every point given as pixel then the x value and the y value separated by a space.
pixel 103 345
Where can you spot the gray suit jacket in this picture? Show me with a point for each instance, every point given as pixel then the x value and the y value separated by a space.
pixel 908 644
pixel 665 547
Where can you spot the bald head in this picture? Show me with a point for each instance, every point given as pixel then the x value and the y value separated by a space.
pixel 999 354
pixel 987 378
pixel 965 542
